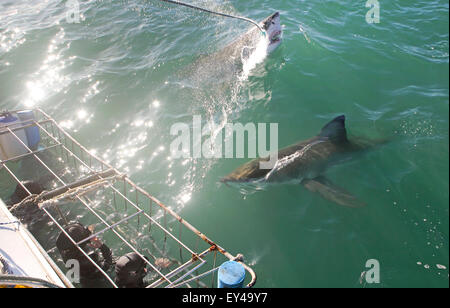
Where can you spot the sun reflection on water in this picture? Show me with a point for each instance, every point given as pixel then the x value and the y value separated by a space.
pixel 48 79
pixel 11 39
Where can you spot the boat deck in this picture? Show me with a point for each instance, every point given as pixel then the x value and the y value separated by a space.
pixel 23 254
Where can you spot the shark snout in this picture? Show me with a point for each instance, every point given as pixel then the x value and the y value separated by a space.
pixel 274 31
pixel 270 20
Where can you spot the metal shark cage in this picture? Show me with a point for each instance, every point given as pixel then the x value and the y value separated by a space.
pixel 81 186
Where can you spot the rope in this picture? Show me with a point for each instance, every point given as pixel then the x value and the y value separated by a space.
pixel 27 200
pixel 80 191
pixel 9 223
pixel 5 268
pixel 216 13
pixel 71 194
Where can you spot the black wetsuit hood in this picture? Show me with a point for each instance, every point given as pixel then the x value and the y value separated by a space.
pixel 130 271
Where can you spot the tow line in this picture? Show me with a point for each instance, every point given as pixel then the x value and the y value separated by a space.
pixel 217 13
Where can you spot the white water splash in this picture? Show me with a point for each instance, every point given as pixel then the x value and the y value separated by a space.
pixel 258 55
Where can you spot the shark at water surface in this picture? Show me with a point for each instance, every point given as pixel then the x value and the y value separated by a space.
pixel 307 161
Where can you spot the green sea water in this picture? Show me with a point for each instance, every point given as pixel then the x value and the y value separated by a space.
pixel 120 78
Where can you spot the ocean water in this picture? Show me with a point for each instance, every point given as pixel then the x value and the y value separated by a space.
pixel 119 78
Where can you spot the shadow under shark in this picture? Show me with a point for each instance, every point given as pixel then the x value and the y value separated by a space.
pixel 307 161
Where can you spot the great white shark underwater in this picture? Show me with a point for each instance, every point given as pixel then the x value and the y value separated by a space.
pixel 307 161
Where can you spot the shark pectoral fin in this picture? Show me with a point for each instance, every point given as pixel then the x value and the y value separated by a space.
pixel 332 192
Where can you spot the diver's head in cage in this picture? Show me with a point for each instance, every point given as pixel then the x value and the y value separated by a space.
pixel 20 193
pixel 77 232
pixel 98 252
pixel 131 270
pixel 22 205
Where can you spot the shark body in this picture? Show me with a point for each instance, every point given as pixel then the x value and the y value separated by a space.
pixel 306 163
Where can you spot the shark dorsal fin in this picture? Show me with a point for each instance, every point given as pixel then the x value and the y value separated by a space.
pixel 335 130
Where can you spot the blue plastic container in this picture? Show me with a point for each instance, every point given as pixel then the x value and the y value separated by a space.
pixel 231 275
pixel 32 132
